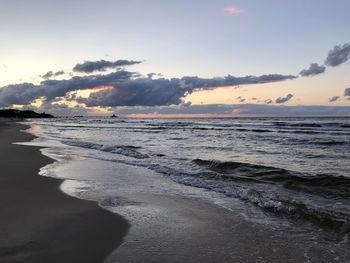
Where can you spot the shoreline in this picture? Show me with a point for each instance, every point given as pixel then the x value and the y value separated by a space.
pixel 39 222
pixel 169 227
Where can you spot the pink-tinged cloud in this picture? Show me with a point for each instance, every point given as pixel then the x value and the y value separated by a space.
pixel 232 10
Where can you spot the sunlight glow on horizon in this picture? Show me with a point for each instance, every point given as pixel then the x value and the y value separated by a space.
pixel 198 115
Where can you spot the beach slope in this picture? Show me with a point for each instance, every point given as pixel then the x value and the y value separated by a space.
pixel 38 222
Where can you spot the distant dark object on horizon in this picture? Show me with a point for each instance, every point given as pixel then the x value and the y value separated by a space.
pixel 114 116
pixel 11 113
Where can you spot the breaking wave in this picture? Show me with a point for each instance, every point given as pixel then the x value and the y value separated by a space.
pixel 291 194
pixel 127 150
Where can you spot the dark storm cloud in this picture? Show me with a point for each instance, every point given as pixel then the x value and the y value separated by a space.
pixel 333 99
pixel 338 55
pixel 314 69
pixel 347 92
pixel 284 99
pixel 102 65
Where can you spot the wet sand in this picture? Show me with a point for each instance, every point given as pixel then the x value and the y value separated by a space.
pixel 172 229
pixel 170 226
pixel 38 222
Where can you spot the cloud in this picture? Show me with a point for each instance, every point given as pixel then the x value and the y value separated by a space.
pixel 347 92
pixel 155 92
pixel 102 65
pixel 62 109
pixel 59 73
pixel 314 69
pixel 19 94
pixel 58 88
pixel 284 99
pixel 268 101
pixel 51 89
pixel 47 75
pixel 51 74
pixel 240 99
pixel 151 75
pixel 124 88
pixel 140 92
pixel 333 99
pixel 232 10
pixel 338 55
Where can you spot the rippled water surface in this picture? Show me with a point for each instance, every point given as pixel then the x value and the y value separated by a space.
pixel 294 168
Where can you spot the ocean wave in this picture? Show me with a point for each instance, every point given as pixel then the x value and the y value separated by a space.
pixel 171 124
pixel 270 193
pixel 126 150
pixel 254 130
pixel 313 124
pixel 326 142
pixel 301 124
pixel 280 191
pixel 323 185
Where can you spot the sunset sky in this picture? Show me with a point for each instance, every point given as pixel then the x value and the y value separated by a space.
pixel 297 52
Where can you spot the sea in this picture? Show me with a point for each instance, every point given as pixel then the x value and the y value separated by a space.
pixel 287 173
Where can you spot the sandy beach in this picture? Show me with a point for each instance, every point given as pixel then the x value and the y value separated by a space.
pixel 38 222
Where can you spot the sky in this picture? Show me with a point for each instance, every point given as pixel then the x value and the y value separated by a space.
pixel 200 52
